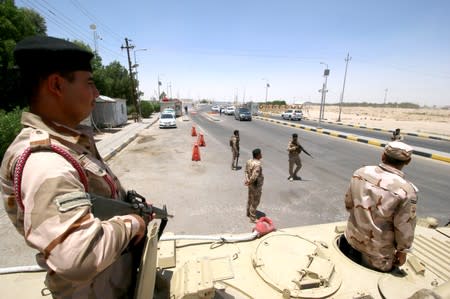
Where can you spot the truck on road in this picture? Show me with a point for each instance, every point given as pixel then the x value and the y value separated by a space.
pixel 175 104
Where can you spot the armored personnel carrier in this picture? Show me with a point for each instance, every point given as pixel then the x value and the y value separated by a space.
pixel 297 262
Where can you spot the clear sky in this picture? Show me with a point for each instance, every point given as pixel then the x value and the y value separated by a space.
pixel 221 49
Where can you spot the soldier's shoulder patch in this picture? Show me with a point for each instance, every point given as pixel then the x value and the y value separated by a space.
pixel 72 200
pixel 39 138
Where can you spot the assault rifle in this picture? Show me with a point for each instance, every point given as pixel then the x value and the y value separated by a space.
pixel 303 149
pixel 105 208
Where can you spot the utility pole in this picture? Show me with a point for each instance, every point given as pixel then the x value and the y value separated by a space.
pixel 159 93
pixel 324 91
pixel 343 85
pixel 133 88
pixel 385 96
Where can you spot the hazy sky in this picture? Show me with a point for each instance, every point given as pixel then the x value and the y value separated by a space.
pixel 219 49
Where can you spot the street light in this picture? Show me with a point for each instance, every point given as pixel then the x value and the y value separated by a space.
pixel 324 90
pixel 343 85
pixel 134 53
pixel 135 66
pixel 267 88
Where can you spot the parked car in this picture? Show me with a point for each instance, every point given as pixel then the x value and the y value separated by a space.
pixel 242 114
pixel 167 120
pixel 229 110
pixel 292 114
pixel 169 111
pixel 215 108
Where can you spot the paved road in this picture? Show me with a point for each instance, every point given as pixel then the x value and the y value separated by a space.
pixel 438 145
pixel 326 177
pixel 206 197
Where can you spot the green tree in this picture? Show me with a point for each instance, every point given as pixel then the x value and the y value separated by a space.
pixel 116 81
pixel 15 24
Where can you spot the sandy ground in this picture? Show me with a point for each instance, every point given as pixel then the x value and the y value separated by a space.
pixel 423 120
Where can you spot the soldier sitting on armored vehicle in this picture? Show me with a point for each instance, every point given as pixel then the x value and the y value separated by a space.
pixel 382 207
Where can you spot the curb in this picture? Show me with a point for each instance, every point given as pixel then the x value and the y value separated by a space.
pixel 374 142
pixel 377 129
pixel 128 141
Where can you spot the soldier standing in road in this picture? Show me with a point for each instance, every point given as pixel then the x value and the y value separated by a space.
pixel 382 207
pixel 254 179
pixel 50 167
pixel 396 136
pixel 234 143
pixel 294 149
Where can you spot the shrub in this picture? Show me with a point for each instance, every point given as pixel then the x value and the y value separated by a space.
pixel 10 126
pixel 146 109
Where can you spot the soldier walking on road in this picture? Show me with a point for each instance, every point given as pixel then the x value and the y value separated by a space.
pixel 382 207
pixel 254 179
pixel 294 149
pixel 234 143
pixel 50 167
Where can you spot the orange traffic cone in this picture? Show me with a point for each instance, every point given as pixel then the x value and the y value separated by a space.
pixel 193 131
pixel 195 153
pixel 201 140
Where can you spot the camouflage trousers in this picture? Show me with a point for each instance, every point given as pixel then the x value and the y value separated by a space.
pixel 254 197
pixel 377 263
pixel 294 161
pixel 234 160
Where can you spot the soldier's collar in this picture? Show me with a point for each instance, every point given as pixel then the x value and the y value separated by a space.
pixel 392 169
pixel 53 128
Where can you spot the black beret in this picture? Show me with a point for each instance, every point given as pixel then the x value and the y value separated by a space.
pixel 294 135
pixel 256 151
pixel 46 54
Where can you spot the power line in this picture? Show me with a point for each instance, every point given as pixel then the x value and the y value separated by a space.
pixel 78 5
pixel 51 16
pixel 63 22
pixel 80 28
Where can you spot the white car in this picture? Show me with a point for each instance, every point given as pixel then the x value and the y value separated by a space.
pixel 292 114
pixel 167 120
pixel 230 110
pixel 169 111
pixel 215 108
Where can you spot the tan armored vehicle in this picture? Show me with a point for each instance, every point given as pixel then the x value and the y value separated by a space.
pixel 299 262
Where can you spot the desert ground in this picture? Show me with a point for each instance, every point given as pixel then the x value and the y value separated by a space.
pixel 422 120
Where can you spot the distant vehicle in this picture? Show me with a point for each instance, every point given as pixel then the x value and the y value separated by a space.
pixel 167 120
pixel 253 107
pixel 169 111
pixel 292 114
pixel 242 114
pixel 229 110
pixel 173 104
pixel 215 108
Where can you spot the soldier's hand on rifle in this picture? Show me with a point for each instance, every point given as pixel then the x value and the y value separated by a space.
pixel 138 226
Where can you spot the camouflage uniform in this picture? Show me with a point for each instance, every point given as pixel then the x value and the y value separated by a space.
pixel 382 207
pixel 234 143
pixel 255 178
pixel 85 257
pixel 396 136
pixel 294 150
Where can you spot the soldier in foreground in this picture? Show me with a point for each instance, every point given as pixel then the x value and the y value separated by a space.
pixel 254 179
pixel 382 207
pixel 294 149
pixel 52 168
pixel 234 143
